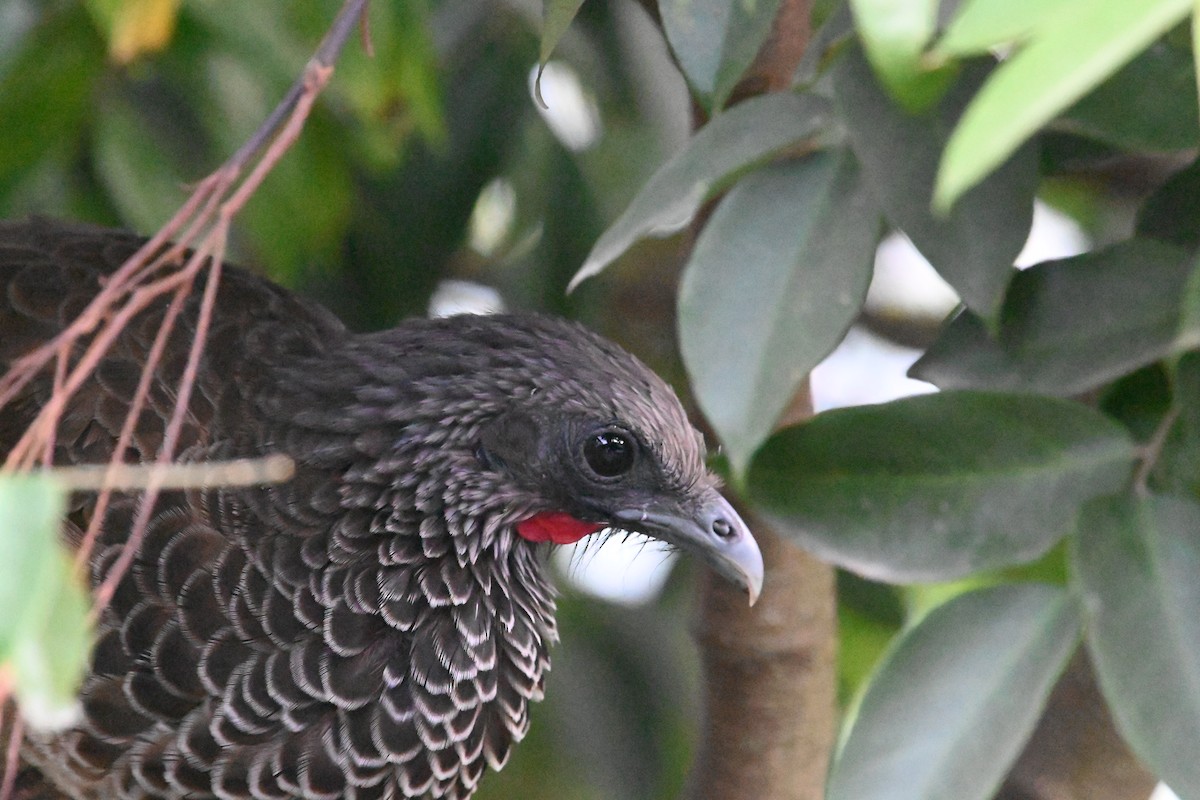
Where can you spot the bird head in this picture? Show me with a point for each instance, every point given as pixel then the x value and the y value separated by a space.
pixel 578 436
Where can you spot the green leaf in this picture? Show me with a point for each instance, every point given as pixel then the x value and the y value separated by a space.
pixel 894 34
pixel 738 140
pixel 715 41
pixel 31 509
pixel 131 163
pixel 1172 213
pixel 49 661
pixel 45 91
pixel 1136 562
pixel 975 245
pixel 1128 112
pixel 1072 325
pixel 957 697
pixel 939 486
pixel 44 634
pixel 556 18
pixel 774 281
pixel 1061 64
pixel 979 26
pixel 1178 467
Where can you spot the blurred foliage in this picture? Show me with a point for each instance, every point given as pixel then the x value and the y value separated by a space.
pixel 108 110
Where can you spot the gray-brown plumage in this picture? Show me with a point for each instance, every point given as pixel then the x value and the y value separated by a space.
pixel 378 625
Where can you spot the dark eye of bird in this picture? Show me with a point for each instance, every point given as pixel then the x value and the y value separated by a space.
pixel 609 453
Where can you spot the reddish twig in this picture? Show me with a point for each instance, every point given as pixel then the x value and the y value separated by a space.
pixel 154 271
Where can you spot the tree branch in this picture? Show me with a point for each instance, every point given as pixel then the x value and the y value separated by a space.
pixel 770 680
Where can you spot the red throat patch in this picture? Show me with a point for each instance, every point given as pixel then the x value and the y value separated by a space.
pixel 556 527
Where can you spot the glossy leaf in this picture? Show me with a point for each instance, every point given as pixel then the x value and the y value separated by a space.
pixel 1079 51
pixel 774 281
pixel 715 41
pixel 939 486
pixel 956 698
pixel 1136 562
pixel 973 246
pixel 894 34
pixel 1072 325
pixel 736 141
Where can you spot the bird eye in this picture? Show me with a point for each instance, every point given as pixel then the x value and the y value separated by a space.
pixel 609 453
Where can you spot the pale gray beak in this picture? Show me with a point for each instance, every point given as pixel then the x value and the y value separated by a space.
pixel 711 530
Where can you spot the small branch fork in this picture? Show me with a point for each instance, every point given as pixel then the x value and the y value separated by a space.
pixel 161 269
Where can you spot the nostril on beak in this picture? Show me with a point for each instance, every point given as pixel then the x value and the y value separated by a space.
pixel 722 527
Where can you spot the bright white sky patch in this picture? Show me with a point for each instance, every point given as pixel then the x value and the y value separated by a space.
pixel 570 110
pixel 631 572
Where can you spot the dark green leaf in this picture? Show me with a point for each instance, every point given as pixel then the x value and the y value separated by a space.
pixel 1172 213
pixel 974 246
pixel 773 283
pixel 715 41
pixel 1072 325
pixel 1069 55
pixel 1178 466
pixel 957 696
pixel 556 18
pixel 939 486
pixel 1128 111
pixel 741 138
pixel 1136 562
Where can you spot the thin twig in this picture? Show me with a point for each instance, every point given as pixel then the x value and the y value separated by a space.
pixel 125 438
pixel 1152 451
pixel 274 468
pixel 149 274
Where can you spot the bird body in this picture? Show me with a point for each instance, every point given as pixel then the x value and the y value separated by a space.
pixel 378 625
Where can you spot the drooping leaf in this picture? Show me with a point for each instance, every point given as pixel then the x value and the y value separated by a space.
pixel 1079 50
pixel 773 283
pixel 715 41
pixel 1136 562
pixel 939 486
pixel 1071 325
pixel 957 696
pixel 736 141
pixel 894 34
pixel 975 244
